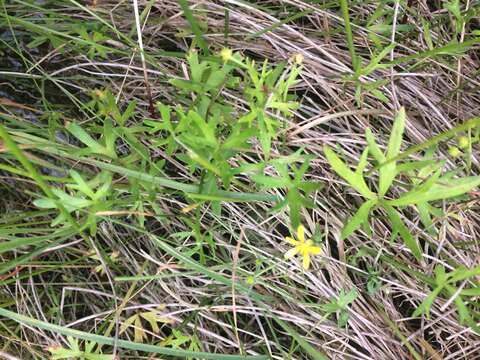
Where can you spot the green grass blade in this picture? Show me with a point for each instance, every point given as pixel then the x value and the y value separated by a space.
pixel 348 31
pixel 472 123
pixel 104 340
pixel 17 243
pixel 191 190
pixel 195 27
pixel 279 23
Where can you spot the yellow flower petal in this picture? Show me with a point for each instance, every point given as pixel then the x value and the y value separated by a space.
pixel 301 233
pixel 306 261
pixel 291 253
pixel 291 241
pixel 315 250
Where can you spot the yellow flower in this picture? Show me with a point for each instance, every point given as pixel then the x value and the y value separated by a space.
pixel 463 142
pixel 454 151
pixel 298 59
pixel 302 247
pixel 226 54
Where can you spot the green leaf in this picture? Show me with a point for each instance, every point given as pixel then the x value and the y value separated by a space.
pixel 373 147
pixel 342 319
pixel 471 292
pixel 348 298
pixel 396 136
pixel 360 217
pixel 426 218
pixel 425 167
pixel 195 26
pixel 374 63
pixel 463 312
pixel 355 180
pixel 387 172
pixel 440 275
pixel 309 186
pixel 270 182
pixel 120 343
pixel 442 190
pixel 330 307
pixel 86 139
pixel 110 136
pixel 362 163
pixel 294 203
pixel 463 273
pixel 82 185
pixel 400 227
pixel 425 306
pixel 186 85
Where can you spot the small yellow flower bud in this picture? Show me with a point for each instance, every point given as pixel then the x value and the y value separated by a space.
pixel 226 54
pixel 298 59
pixel 99 93
pixel 454 151
pixel 462 142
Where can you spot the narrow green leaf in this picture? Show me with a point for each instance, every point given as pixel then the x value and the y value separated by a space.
pixel 400 227
pixel 191 190
pixel 81 184
pixel 17 243
pixel 360 217
pixel 194 25
pixel 471 292
pixel 109 136
pixel 77 131
pixel 387 172
pixel 270 182
pixel 374 63
pixel 373 147
pixel 444 189
pixel 397 134
pixel 472 123
pixel 464 273
pixel 99 339
pixel 425 306
pixel 362 163
pixel 354 180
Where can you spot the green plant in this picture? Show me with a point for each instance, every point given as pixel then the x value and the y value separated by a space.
pixel 74 351
pixel 447 283
pixel 105 147
pixel 207 134
pixel 360 72
pixel 91 196
pixel 340 306
pixel 153 317
pixel 434 187
pixel 298 190
pixel 94 37
pixel 177 340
